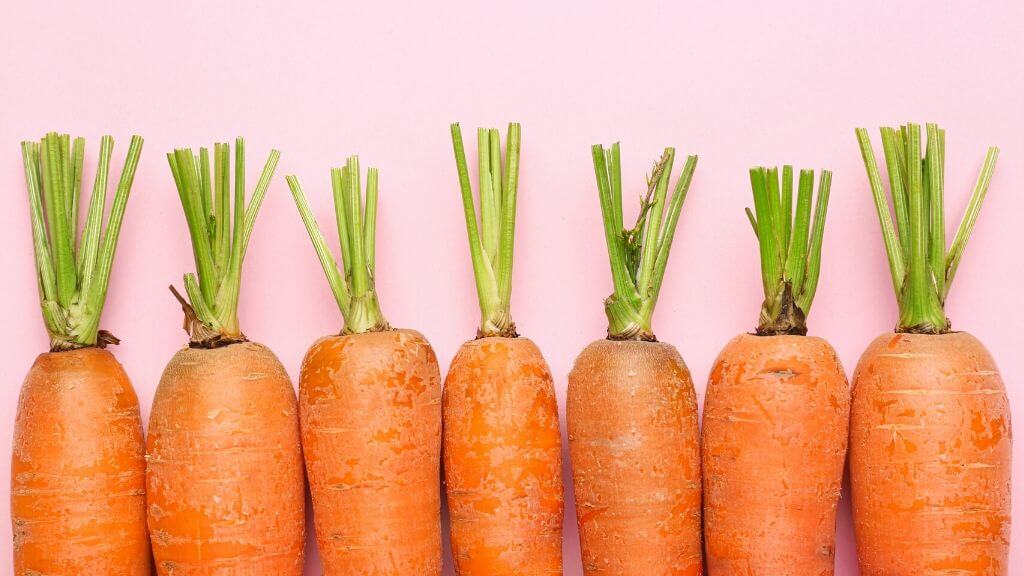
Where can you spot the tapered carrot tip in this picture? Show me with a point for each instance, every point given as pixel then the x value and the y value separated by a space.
pixel 775 433
pixel 370 407
pixel 930 457
pixel 226 492
pixel 77 469
pixel 635 449
pixel 502 460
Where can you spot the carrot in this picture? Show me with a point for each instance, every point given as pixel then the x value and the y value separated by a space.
pixel 777 408
pixel 930 441
pixel 370 409
pixel 502 445
pixel 225 486
pixel 632 410
pixel 77 467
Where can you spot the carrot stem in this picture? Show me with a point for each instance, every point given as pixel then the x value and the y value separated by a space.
pixel 922 268
pixel 790 246
pixel 638 256
pixel 218 244
pixel 73 273
pixel 492 239
pixel 353 286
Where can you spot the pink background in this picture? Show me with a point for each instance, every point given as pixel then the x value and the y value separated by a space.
pixel 738 86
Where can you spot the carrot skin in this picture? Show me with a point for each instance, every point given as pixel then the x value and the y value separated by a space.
pixel 226 491
pixel 930 457
pixel 370 408
pixel 635 450
pixel 502 460
pixel 78 487
pixel 776 421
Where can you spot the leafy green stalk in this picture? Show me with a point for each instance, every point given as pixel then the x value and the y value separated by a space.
pixel 491 241
pixel 74 274
pixel 790 245
pixel 638 256
pixel 220 230
pixel 353 286
pixel 921 266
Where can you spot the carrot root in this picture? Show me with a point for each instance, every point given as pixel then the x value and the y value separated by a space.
pixel 930 457
pixel 502 460
pixel 225 486
pixel 775 435
pixel 370 407
pixel 635 450
pixel 77 469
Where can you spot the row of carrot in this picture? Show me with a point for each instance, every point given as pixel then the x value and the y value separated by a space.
pixel 218 485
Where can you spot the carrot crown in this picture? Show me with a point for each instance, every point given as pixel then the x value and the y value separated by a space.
pixel 220 231
pixel 639 255
pixel 357 224
pixel 790 246
pixel 921 265
pixel 74 272
pixel 492 240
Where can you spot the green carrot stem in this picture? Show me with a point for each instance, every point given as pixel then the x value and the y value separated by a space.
pixel 220 230
pixel 639 256
pixel 73 274
pixel 498 187
pixel 921 266
pixel 790 247
pixel 353 290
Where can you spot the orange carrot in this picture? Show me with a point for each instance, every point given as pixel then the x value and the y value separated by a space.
pixel 224 476
pixel 502 446
pixel 930 440
pixel 502 460
pixel 77 468
pixel 632 410
pixel 775 425
pixel 370 408
pixel 777 408
pixel 78 473
pixel 226 492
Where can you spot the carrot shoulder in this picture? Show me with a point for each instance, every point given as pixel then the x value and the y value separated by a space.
pixel 502 445
pixel 370 409
pixel 77 472
pixel 632 410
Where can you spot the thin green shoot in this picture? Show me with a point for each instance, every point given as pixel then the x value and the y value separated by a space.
pixel 638 256
pixel 73 272
pixel 492 239
pixel 220 230
pixel 353 286
pixel 921 266
pixel 790 245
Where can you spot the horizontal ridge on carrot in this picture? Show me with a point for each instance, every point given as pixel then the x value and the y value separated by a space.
pixel 502 445
pixel 777 409
pixel 224 478
pixel 78 492
pixel 930 438
pixel 370 410
pixel 634 439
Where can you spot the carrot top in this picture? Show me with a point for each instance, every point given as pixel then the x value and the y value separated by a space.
pixel 639 255
pixel 790 245
pixel 357 224
pixel 922 267
pixel 74 272
pixel 492 240
pixel 219 237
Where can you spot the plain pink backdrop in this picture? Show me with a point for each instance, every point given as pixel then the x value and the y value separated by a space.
pixel 737 85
